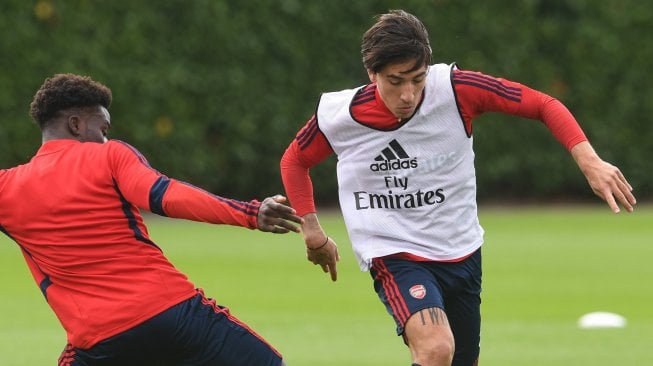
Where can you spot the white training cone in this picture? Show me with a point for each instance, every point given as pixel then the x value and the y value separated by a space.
pixel 601 319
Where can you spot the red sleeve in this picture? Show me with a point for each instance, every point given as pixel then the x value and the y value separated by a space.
pixel 148 189
pixel 309 148
pixel 477 93
pixel 181 200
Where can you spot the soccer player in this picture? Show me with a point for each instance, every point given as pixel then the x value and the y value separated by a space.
pixel 407 184
pixel 74 212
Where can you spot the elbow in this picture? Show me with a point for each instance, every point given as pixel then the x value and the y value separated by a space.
pixel 291 161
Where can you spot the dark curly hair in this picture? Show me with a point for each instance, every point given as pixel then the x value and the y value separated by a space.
pixel 65 91
pixel 395 37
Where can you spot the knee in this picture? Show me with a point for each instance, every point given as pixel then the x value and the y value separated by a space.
pixel 430 338
pixel 434 352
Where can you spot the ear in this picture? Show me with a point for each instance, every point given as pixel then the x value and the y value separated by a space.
pixel 74 125
pixel 372 75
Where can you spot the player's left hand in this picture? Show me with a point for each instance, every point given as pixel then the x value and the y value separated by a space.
pixel 276 217
pixel 609 183
pixel 605 179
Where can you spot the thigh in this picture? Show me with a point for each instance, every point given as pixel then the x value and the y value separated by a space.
pixel 195 332
pixel 405 288
pixel 149 343
pixel 219 338
pixel 129 348
pixel 429 337
pixel 463 306
pixel 465 321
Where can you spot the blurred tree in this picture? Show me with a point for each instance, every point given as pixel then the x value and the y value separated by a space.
pixel 213 91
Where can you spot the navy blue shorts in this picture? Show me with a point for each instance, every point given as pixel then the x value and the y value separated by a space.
pixel 406 287
pixel 193 332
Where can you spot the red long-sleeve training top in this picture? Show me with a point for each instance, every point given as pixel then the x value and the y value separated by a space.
pixel 74 212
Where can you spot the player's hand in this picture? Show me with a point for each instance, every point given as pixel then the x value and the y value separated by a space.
pixel 609 183
pixel 605 179
pixel 326 255
pixel 276 217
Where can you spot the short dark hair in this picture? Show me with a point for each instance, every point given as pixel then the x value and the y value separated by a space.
pixel 65 91
pixel 395 37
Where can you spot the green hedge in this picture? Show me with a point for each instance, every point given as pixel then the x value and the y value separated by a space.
pixel 213 91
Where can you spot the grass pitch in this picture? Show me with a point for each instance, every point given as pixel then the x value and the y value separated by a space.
pixel 543 269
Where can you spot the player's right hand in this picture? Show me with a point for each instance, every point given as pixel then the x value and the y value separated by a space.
pixel 326 255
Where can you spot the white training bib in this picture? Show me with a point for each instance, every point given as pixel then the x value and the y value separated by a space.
pixel 412 189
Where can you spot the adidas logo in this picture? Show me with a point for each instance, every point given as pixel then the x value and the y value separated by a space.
pixel 393 157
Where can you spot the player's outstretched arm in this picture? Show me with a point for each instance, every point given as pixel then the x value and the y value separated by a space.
pixel 276 217
pixel 320 249
pixel 605 179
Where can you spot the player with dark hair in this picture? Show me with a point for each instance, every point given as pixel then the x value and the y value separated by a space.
pixel 74 212
pixel 407 184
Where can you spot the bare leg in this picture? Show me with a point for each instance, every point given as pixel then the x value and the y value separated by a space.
pixel 429 338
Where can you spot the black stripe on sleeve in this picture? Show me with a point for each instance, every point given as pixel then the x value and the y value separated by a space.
pixel 157 191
